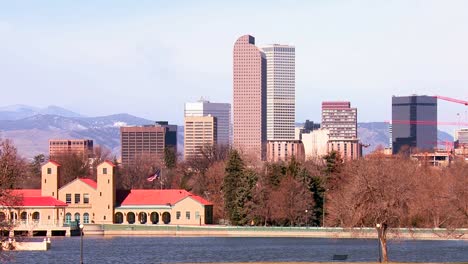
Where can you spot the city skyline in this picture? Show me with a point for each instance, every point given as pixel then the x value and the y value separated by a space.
pixel 99 48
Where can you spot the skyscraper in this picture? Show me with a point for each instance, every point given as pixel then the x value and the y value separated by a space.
pixel 414 123
pixel 340 119
pixel 281 83
pixel 200 132
pixel 221 111
pixel 249 72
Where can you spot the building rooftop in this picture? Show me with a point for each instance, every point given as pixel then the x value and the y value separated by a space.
pixel 155 197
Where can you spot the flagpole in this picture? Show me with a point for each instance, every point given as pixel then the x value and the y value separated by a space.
pixel 161 176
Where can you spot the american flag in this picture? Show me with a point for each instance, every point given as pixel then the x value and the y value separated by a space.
pixel 154 176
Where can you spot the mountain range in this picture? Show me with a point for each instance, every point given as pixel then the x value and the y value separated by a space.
pixel 30 129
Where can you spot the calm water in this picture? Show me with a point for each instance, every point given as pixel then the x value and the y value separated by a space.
pixel 215 249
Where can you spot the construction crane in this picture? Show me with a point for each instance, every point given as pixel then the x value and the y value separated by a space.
pixel 453 100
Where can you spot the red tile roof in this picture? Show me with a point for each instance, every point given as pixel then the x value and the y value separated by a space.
pixel 54 162
pixel 156 197
pixel 109 162
pixel 90 182
pixel 41 201
pixel 32 198
pixel 26 192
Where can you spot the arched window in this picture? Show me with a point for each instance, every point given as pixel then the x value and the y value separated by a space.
pixel 2 216
pixel 68 218
pixel 166 217
pixel 142 217
pixel 36 216
pixel 77 217
pixel 131 218
pixel 13 216
pixel 154 216
pixel 24 216
pixel 118 218
pixel 85 218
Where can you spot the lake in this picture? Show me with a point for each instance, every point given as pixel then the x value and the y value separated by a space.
pixel 120 249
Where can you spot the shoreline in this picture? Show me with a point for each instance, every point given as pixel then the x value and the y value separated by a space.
pixel 296 232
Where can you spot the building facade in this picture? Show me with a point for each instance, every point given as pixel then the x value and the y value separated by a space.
pixel 315 143
pixel 281 95
pixel 149 141
pixel 414 123
pixel 308 127
pixel 284 150
pixel 340 119
pixel 86 201
pixel 59 147
pixel 200 132
pixel 222 112
pixel 349 149
pixel 249 97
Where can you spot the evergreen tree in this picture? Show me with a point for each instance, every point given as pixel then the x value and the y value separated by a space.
pixel 234 172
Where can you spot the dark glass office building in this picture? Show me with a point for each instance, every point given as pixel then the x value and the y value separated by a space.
pixel 414 123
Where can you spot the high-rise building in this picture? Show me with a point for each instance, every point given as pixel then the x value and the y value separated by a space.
pixel 340 119
pixel 249 97
pixel 414 123
pixel 200 132
pixel 222 112
pixel 147 141
pixel 281 83
pixel 461 137
pixel 71 146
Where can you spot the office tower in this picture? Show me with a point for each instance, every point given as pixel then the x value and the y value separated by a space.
pixel 249 97
pixel 147 141
pixel 281 83
pixel 340 119
pixel 221 111
pixel 200 132
pixel 349 149
pixel 414 123
pixel 71 146
pixel 171 134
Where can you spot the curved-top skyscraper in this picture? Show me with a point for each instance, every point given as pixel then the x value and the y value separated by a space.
pixel 249 99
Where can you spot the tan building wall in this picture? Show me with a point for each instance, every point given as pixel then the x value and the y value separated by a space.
pixel 50 174
pixel 315 143
pixel 185 212
pixel 80 198
pixel 106 189
pixel 283 150
pixel 199 132
pixel 349 149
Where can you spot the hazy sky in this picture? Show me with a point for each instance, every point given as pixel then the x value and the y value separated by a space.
pixel 149 57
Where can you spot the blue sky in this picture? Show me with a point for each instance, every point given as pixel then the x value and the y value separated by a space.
pixel 149 57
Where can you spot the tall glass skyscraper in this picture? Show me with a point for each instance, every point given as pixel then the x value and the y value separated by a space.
pixel 414 123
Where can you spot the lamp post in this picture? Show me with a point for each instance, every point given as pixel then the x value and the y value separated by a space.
pixel 307 218
pixel 378 241
pixel 81 243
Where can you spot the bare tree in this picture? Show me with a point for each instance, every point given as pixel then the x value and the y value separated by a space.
pixel 12 168
pixel 374 192
pixel 135 174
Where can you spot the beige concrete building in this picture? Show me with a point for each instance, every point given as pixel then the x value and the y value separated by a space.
pixel 71 146
pixel 200 132
pixel 89 202
pixel 315 143
pixel 284 150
